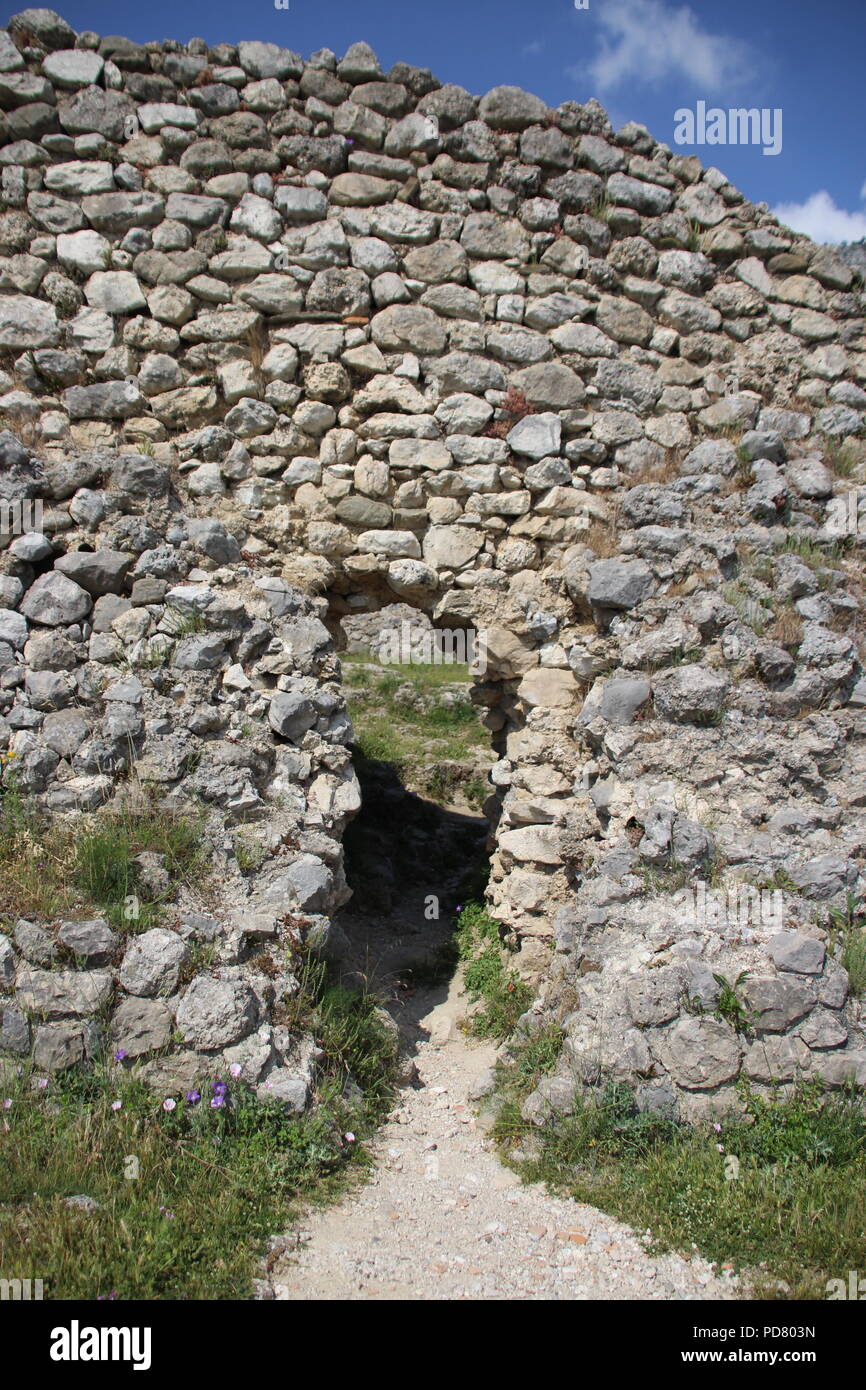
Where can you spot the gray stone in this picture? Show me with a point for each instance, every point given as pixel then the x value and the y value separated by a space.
pixel 55 601
pixel 648 198
pixel 510 108
pixel 285 1086
pixel 140 1026
pixel 291 713
pixel 841 1069
pixel 153 962
pixel 262 60
pixel 793 951
pixel 700 1053
pixel 35 943
pixel 115 291
pixel 824 877
pixel 619 584
pixel 690 694
pixel 58 1046
pixel 408 328
pixel 306 884
pixel 116 213
pixel 14 1031
pixel 300 206
pixel 536 436
pixel 46 26
pixel 488 235
pixel 215 1013
pixel 59 993
pixel 776 1002
pixel 70 69
pixel 91 940
pixel 774 1059
pixel 8 962
pixel 655 996
pixel 621 699
pixel 98 572
pixel 13 628
pixel 27 323
pixel 112 400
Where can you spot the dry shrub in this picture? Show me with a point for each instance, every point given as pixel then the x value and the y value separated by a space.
pixel 787 629
pixel 514 408
pixel 603 538
pixel 665 472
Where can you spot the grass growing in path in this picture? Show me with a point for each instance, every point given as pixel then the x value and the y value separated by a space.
pixel 212 1176
pixel 778 1192
pixel 489 981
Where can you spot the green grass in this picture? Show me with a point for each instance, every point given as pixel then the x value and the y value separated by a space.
pixel 423 676
pixel 791 1207
pixel 752 613
pixel 104 869
pixel 489 980
pixel 847 928
pixel 212 1184
pixel 843 457
pixel 817 557
pixel 359 1045
pixel 52 869
pixel 401 717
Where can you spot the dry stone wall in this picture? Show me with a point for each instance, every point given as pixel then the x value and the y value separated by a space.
pixel 289 339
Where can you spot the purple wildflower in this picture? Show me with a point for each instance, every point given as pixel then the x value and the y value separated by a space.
pixel 120 1054
pixel 193 1097
pixel 218 1102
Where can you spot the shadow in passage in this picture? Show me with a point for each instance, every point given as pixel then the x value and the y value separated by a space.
pixel 410 863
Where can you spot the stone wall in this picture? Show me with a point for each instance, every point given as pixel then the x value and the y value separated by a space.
pixel 383 340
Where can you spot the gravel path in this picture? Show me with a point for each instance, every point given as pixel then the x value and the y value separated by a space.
pixel 441 1218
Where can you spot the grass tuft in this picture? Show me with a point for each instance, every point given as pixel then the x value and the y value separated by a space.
pixel 503 996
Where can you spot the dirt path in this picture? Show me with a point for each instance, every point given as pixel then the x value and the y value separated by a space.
pixel 441 1218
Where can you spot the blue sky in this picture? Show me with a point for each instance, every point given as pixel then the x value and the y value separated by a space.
pixel 643 59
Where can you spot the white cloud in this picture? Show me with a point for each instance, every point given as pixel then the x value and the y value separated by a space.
pixel 532 50
pixel 652 41
pixel 819 218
